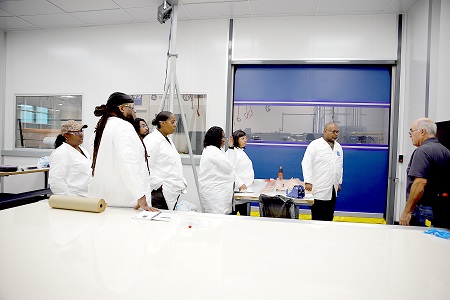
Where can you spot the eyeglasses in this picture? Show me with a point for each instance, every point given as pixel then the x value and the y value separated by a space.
pixel 80 132
pixel 143 126
pixel 224 138
pixel 128 105
pixel 412 130
pixel 333 131
pixel 172 122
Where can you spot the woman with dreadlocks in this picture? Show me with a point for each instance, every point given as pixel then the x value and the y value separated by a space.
pixel 119 163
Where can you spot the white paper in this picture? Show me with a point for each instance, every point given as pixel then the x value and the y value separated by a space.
pixel 247 190
pixel 155 216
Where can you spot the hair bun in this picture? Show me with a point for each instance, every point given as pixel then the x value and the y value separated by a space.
pixel 100 110
pixel 154 122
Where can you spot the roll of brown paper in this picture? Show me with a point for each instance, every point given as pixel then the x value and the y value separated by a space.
pixel 77 203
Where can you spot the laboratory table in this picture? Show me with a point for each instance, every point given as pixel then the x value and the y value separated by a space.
pixel 50 254
pixel 8 200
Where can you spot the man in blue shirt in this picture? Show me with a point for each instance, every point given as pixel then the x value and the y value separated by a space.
pixel 428 178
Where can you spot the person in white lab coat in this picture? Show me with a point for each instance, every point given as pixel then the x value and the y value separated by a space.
pixel 243 167
pixel 141 127
pixel 166 178
pixel 322 167
pixel 216 174
pixel 70 164
pixel 119 162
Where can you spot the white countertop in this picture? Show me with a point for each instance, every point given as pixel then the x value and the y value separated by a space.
pixel 48 254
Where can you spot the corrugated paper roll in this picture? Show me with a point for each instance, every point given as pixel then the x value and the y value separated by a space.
pixel 77 203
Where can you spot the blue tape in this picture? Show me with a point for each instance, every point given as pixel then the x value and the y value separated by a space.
pixel 444 234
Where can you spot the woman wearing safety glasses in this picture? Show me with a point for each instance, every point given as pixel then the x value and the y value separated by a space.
pixel 70 164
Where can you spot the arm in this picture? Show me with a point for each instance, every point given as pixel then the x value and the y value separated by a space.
pixel 342 172
pixel 307 162
pixel 415 195
pixel 232 156
pixel 59 168
pixel 130 162
pixel 152 151
pixel 142 203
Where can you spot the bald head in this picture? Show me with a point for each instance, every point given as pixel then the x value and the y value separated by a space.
pixel 330 132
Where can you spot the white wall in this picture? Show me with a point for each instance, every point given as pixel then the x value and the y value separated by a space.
pixel 97 61
pixel 413 94
pixel 372 37
pixel 2 86
pixel 439 81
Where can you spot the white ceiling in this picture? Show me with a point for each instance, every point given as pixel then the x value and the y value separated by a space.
pixel 44 14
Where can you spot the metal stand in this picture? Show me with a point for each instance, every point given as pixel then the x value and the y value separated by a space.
pixel 172 88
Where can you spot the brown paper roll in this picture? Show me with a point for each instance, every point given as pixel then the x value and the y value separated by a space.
pixel 77 203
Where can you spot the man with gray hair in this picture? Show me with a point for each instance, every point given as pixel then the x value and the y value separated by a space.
pixel 428 178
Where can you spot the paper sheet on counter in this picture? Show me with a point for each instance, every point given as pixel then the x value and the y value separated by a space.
pixel 155 216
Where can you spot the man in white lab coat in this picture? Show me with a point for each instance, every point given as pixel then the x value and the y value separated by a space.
pixel 322 167
pixel 119 163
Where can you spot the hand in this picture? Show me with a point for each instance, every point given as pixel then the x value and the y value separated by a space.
pixel 308 187
pixel 242 187
pixel 230 141
pixel 142 203
pixel 339 188
pixel 405 218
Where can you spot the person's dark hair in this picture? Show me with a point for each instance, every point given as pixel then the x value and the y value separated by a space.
pixel 60 139
pixel 236 135
pixel 213 137
pixel 137 125
pixel 104 111
pixel 161 117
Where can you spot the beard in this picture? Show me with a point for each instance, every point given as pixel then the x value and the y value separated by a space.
pixel 130 119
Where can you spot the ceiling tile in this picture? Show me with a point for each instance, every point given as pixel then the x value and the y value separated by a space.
pixel 138 3
pixel 218 10
pixel 143 14
pixel 4 14
pixel 29 7
pixel 53 21
pixel 207 1
pixel 84 5
pixel 287 7
pixel 400 6
pixel 113 16
pixel 14 23
pixel 352 6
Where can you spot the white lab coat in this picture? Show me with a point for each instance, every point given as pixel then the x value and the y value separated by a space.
pixel 216 179
pixel 323 168
pixel 121 176
pixel 243 167
pixel 166 167
pixel 70 171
